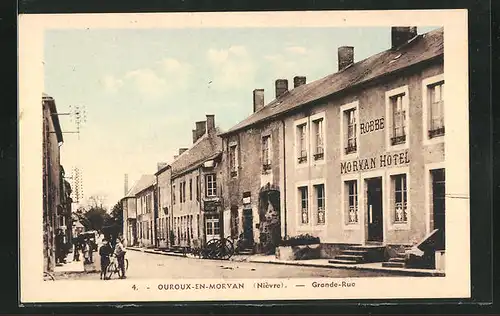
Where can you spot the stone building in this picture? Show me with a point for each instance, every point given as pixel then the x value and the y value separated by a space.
pixel 164 212
pixel 141 198
pixel 196 204
pixel 53 183
pixel 359 153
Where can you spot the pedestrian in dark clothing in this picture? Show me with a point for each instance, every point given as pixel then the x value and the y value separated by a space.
pixel 105 251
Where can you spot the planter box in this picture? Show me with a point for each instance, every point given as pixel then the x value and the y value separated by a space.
pixel 300 252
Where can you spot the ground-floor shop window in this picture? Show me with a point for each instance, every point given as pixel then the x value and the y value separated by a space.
pixel 351 188
pixel 400 198
pixel 212 225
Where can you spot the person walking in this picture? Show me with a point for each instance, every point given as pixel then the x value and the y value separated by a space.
pixel 105 251
pixel 120 256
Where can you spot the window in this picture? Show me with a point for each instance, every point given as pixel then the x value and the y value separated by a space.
pixel 436 110
pixel 212 225
pixel 302 143
pixel 398 120
pixel 173 194
pixel 351 139
pixel 233 166
pixel 191 189
pixel 181 199
pixel 210 185
pixel 320 203
pixel 318 137
pixel 266 152
pixel 352 202
pixel 197 188
pixel 184 191
pixel 304 202
pixel 400 198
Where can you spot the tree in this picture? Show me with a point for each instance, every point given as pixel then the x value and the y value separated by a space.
pixel 96 218
pixel 117 214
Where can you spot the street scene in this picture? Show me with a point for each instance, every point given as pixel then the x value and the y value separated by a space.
pixel 290 153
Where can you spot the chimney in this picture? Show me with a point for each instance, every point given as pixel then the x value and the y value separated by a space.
pixel 298 81
pixel 345 57
pixel 258 99
pixel 402 34
pixel 195 136
pixel 161 165
pixel 125 187
pixel 281 87
pixel 175 156
pixel 210 123
pixel 181 150
pixel 201 127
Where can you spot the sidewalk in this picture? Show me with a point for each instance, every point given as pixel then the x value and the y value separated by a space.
pixel 320 263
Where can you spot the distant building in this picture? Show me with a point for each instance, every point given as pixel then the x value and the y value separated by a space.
pixel 164 231
pixel 138 212
pixel 196 204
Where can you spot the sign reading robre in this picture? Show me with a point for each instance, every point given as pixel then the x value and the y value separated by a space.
pixel 382 161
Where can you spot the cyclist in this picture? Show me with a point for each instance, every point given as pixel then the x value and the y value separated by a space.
pixel 105 251
pixel 120 256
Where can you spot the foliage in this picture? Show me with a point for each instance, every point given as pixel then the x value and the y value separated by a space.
pixel 96 217
pixel 303 239
pixel 116 217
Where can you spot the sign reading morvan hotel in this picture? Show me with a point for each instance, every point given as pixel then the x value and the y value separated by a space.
pixel 381 161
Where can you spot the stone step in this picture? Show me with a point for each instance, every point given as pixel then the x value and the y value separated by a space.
pixel 341 261
pixel 397 259
pixel 359 252
pixel 393 264
pixel 356 258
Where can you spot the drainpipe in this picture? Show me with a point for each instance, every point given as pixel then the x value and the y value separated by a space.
pixel 284 179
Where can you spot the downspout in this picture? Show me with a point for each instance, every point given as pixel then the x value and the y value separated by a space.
pixel 284 180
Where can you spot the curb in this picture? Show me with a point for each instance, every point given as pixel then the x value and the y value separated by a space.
pixel 355 267
pixel 315 265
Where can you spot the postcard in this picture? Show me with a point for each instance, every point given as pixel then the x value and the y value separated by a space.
pixel 230 156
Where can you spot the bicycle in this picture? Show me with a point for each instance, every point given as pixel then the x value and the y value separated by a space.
pixel 218 249
pixel 113 267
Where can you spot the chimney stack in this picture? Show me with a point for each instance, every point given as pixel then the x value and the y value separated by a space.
pixel 176 156
pixel 201 127
pixel 298 81
pixel 181 150
pixel 281 87
pixel 345 57
pixel 210 123
pixel 195 138
pixel 402 34
pixel 258 99
pixel 125 187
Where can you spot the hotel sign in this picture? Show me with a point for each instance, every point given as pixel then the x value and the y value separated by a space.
pixel 382 161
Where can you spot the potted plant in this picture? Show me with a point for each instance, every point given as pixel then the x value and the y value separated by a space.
pixel 301 247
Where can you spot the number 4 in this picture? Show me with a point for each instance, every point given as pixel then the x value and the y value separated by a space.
pixel 134 287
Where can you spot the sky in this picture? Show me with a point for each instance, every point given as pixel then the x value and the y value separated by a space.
pixel 143 89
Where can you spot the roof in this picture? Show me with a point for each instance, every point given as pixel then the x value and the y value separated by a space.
pixel 144 182
pixel 161 170
pixel 207 147
pixel 55 118
pixel 422 48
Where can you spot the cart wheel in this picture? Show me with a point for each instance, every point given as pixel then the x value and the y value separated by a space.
pixel 227 249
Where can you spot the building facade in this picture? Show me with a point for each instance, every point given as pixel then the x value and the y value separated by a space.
pixel 53 204
pixel 145 202
pixel 361 151
pixel 164 231
pixel 196 202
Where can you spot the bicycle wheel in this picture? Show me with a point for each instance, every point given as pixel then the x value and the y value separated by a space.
pixel 227 249
pixel 110 270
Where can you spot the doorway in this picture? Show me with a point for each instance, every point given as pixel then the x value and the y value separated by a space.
pixel 438 203
pixel 212 227
pixel 248 227
pixel 374 210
